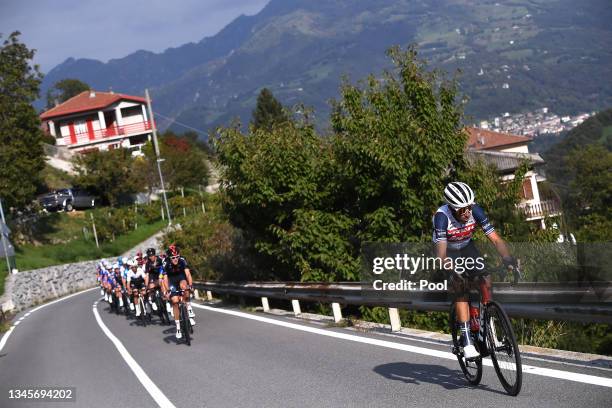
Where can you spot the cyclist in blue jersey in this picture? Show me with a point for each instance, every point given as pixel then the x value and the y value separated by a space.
pixel 454 224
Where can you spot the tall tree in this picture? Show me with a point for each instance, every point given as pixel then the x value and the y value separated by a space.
pixel 268 111
pixel 110 174
pixel 21 155
pixel 64 90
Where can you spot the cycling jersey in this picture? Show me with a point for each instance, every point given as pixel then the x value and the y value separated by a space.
pixel 154 269
pixel 176 273
pixel 136 278
pixel 457 234
pixel 118 278
pixel 177 270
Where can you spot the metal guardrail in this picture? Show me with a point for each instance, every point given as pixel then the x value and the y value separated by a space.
pixel 570 301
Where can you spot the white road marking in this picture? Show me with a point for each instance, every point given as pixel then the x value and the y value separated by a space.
pixel 144 379
pixel 546 372
pixel 9 331
pixel 5 337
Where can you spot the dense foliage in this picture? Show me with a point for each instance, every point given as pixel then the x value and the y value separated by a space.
pixel 581 168
pixel 307 203
pixel 21 155
pixel 63 90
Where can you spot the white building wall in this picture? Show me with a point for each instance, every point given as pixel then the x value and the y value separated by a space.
pixel 516 149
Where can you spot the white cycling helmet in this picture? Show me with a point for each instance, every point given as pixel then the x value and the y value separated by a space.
pixel 132 262
pixel 124 260
pixel 458 195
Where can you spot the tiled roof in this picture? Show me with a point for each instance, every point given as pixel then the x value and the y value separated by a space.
pixel 86 101
pixel 504 161
pixel 486 139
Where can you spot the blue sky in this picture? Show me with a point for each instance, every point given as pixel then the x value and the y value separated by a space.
pixel 105 29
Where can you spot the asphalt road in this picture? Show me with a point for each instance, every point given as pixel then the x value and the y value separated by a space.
pixel 236 361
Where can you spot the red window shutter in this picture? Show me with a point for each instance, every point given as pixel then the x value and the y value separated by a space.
pixel 90 130
pixel 73 138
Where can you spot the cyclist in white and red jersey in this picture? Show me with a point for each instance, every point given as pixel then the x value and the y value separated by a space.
pixel 454 224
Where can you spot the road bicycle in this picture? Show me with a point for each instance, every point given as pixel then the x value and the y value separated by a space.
pixel 493 336
pixel 161 306
pixel 144 316
pixel 185 324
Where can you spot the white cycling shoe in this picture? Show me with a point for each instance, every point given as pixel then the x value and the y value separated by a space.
pixel 154 306
pixel 190 312
pixel 131 306
pixel 192 321
pixel 470 352
pixel 179 334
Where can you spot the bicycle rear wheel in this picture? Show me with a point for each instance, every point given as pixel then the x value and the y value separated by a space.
pixel 472 369
pixel 504 350
pixel 161 309
pixel 116 303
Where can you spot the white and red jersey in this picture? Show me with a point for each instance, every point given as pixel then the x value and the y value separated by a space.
pixel 457 234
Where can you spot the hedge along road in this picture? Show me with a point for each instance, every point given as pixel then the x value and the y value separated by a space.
pixel 243 359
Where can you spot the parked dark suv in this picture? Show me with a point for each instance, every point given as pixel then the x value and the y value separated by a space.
pixel 67 199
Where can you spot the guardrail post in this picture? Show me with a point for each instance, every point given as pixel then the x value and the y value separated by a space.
pixel 396 324
pixel 296 307
pixel 337 312
pixel 208 295
pixel 265 304
pixel 196 294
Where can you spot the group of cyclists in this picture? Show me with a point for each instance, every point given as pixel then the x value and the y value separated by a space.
pixel 139 279
pixel 453 226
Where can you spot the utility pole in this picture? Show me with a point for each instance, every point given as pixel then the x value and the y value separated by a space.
pixel 158 159
pixel 4 244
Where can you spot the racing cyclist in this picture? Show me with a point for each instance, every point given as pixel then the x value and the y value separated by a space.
pixel 177 277
pixel 153 268
pixel 137 281
pixel 119 283
pixel 454 224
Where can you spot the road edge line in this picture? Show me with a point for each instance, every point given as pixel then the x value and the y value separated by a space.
pixel 546 372
pixel 158 396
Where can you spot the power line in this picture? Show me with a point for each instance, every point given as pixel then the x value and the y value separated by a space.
pixel 182 124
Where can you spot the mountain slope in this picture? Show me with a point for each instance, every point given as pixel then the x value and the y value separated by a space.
pixel 513 56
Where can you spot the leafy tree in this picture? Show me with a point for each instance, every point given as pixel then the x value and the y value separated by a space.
pixel 21 155
pixel 64 90
pixel 308 202
pixel 590 192
pixel 109 173
pixel 271 176
pixel 268 111
pixel 395 138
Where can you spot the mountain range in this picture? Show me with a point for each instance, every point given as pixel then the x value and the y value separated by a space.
pixel 512 55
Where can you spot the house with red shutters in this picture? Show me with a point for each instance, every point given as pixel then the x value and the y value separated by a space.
pixel 507 152
pixel 92 121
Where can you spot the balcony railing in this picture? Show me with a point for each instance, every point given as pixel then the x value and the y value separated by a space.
pixel 540 209
pixel 112 131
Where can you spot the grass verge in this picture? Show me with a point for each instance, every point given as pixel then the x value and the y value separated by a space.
pixel 32 257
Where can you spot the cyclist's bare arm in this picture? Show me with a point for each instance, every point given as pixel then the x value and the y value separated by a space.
pixel 500 244
pixel 441 252
pixel 188 275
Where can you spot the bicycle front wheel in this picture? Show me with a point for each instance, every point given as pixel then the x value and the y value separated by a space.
pixel 472 369
pixel 143 311
pixel 504 350
pixel 185 324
